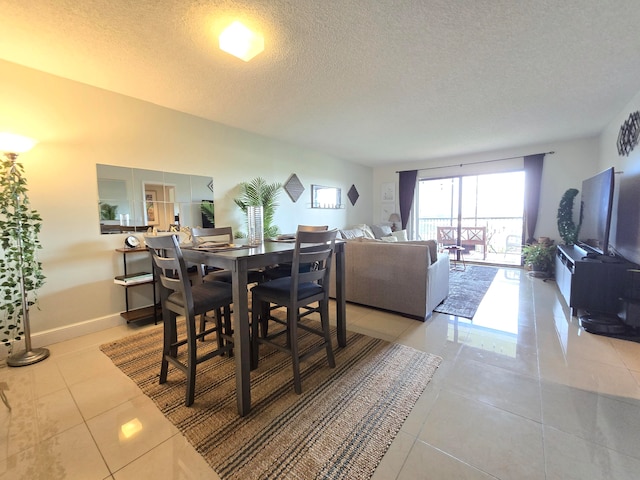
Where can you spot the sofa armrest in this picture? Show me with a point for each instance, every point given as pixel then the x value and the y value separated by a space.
pixel 438 281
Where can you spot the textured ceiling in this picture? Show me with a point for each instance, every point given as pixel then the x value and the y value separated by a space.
pixel 373 81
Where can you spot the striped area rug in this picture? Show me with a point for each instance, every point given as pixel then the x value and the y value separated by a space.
pixel 340 427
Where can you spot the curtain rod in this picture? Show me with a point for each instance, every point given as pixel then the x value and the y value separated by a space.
pixel 475 163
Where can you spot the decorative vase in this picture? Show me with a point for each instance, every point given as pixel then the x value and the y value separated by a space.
pixel 255 225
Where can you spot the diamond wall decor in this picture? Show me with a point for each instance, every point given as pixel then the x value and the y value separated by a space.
pixel 294 187
pixel 629 132
pixel 353 195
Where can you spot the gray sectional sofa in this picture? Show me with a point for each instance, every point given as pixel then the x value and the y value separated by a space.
pixel 410 278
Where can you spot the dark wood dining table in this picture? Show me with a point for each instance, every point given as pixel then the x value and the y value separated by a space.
pixel 239 261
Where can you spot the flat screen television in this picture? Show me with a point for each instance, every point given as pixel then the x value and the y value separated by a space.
pixel 595 206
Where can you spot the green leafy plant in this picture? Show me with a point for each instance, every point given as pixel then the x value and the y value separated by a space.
pixel 539 256
pixel 108 212
pixel 567 229
pixel 19 229
pixel 208 211
pixel 258 192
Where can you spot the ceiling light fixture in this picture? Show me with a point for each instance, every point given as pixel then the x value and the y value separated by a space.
pixel 241 42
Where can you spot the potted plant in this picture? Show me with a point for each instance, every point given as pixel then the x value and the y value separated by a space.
pixel 567 229
pixel 539 257
pixel 107 211
pixel 259 193
pixel 20 271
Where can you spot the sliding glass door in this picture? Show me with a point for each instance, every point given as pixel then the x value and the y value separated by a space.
pixel 482 213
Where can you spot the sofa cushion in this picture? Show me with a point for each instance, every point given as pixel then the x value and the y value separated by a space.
pixel 390 239
pixel 380 231
pixel 430 244
pixel 401 235
pixel 349 234
pixel 366 230
pixel 433 250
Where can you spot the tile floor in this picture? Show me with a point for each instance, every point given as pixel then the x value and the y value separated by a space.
pixel 522 393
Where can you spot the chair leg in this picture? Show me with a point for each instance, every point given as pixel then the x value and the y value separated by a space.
pixel 227 327
pixel 191 361
pixel 292 327
pixel 203 325
pixel 324 320
pixel 170 337
pixel 265 313
pixel 255 327
pixel 219 329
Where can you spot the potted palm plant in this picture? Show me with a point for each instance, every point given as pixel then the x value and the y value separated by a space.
pixel 258 193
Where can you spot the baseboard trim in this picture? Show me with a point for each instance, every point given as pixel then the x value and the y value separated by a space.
pixel 68 332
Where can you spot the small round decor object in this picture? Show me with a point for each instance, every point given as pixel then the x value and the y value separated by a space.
pixel 132 242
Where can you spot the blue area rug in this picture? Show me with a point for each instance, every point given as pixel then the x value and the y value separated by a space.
pixel 466 290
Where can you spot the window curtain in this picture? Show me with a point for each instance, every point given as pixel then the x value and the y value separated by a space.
pixel 532 183
pixel 406 190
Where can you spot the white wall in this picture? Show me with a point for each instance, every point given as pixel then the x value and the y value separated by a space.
pixel 78 126
pixel 572 161
pixel 627 172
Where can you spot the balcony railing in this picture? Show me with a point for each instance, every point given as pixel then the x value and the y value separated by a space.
pixel 503 233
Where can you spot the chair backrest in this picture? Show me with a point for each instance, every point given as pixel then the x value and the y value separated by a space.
pixel 447 235
pixel 170 267
pixel 217 234
pixel 312 248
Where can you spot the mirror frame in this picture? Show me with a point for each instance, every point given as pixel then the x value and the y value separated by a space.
pixel 326 197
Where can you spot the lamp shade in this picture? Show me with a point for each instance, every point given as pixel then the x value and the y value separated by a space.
pixel 12 143
pixel 394 217
pixel 241 42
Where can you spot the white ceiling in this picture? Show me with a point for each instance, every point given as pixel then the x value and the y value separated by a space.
pixel 373 81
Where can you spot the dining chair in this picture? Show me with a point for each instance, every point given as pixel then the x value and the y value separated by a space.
pixel 219 235
pixel 297 292
pixel 179 297
pixel 284 269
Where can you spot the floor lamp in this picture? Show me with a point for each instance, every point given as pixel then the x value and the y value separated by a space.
pixel 13 145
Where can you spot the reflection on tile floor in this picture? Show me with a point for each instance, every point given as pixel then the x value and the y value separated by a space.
pixel 522 393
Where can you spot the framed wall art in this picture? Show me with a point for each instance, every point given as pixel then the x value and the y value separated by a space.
pixel 388 192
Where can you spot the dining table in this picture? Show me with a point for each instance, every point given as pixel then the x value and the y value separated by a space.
pixel 239 258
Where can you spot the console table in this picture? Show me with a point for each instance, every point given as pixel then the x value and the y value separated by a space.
pixel 152 311
pixel 593 284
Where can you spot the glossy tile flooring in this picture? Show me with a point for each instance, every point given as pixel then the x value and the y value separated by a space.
pixel 522 393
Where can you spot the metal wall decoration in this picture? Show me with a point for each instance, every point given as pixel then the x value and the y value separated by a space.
pixel 628 136
pixel 353 195
pixel 294 187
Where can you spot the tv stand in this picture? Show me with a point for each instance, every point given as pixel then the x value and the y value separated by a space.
pixel 591 284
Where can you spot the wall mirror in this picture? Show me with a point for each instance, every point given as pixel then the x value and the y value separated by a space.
pixel 325 197
pixel 135 199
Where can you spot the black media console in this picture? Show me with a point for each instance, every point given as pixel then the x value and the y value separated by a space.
pixel 595 288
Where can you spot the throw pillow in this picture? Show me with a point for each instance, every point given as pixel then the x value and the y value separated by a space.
pixel 366 230
pixel 380 231
pixel 390 239
pixel 401 235
pixel 433 250
pixel 351 234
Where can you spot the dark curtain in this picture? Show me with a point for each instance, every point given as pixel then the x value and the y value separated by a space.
pixel 532 182
pixel 406 190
